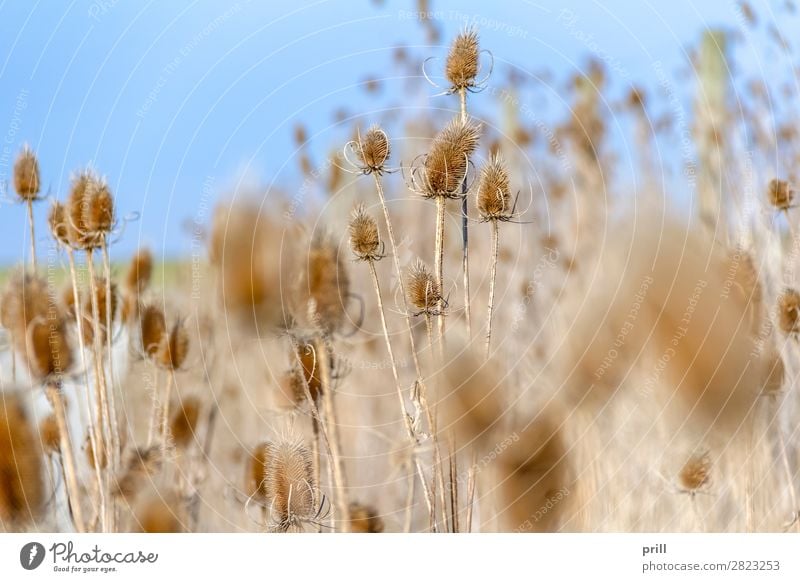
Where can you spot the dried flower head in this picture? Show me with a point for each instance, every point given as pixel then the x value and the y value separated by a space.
pixel 372 150
pixel 462 64
pixel 48 349
pixel 780 194
pixel 364 519
pixel 323 287
pixel 423 291
pixel 174 347
pixel 445 166
pixel 255 473
pixel 788 314
pixel 494 194
pixel 153 329
pixel 26 174
pixel 22 489
pixel 77 206
pixel 49 435
pixel 365 241
pixel 183 424
pixel 139 272
pixel 57 219
pixel 99 210
pixel 695 475
pixel 290 485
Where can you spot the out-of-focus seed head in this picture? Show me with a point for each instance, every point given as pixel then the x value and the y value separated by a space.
pixel 22 490
pixel 695 475
pixel 780 194
pixel 57 219
pixel 364 519
pixel 183 425
pixel 26 175
pixel 788 314
pixel 255 472
pixel 153 330
pixel 140 271
pixel 174 347
pixel 49 434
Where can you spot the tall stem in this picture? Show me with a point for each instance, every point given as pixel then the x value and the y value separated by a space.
pixel 493 277
pixel 340 483
pixel 164 424
pixel 462 95
pixel 439 266
pixel 33 238
pixel 115 451
pixel 54 395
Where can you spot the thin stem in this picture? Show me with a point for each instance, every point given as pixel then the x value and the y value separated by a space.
pixel 33 238
pixel 54 395
pixel 788 471
pixel 462 95
pixel 94 428
pixel 492 279
pixel 340 484
pixel 154 409
pixel 164 430
pixel 115 451
pixel 470 492
pixel 439 266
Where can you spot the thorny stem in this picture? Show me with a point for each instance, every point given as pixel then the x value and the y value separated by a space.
pixel 33 238
pixel 54 395
pixel 340 484
pixel 406 418
pixel 462 95
pixel 94 429
pixel 492 280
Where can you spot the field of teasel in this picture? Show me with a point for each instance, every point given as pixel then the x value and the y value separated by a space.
pixel 441 346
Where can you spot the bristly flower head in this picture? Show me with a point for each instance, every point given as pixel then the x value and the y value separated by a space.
pixel 696 473
pixel 365 241
pixel 26 175
pixel 494 194
pixel 423 291
pixel 789 311
pixel 780 194
pixel 462 64
pixel 444 168
pixel 372 150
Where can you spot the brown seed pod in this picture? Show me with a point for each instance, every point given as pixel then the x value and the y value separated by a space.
pixel 77 206
pixel 26 175
pixel 183 425
pixel 324 286
pixel 49 435
pixel 290 485
pixel 25 299
pixel 494 194
pixel 153 329
pixel 462 64
pixel 174 347
pixel 292 386
pixel 364 519
pixel 255 474
pixel 788 314
pixel 780 194
pixel 365 241
pixel 57 219
pixel 373 150
pixel 695 474
pixel 99 210
pixel 22 489
pixel 445 166
pixel 139 272
pixel 48 349
pixel 423 291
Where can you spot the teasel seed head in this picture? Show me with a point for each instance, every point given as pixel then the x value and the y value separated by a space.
pixel 494 194
pixel 48 349
pixel 183 425
pixel 462 64
pixel 447 162
pixel 365 241
pixel 780 194
pixel 153 330
pixel 372 150
pixel 256 472
pixel 364 519
pixel 695 474
pixel 49 435
pixel 788 314
pixel 78 202
pixel 324 286
pixel 57 219
pixel 291 489
pixel 26 175
pixel 423 291
pixel 22 490
pixel 174 347
pixel 99 210
pixel 139 272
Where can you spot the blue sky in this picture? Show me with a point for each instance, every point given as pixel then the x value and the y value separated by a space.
pixel 173 101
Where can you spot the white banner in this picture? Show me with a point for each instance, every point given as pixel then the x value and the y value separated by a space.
pixel 389 557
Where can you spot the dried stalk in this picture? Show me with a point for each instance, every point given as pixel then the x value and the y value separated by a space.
pixel 492 280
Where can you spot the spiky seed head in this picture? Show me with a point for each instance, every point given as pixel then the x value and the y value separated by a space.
pixel 57 219
pixel 22 490
pixel 291 489
pixel 462 64
pixel 365 241
pixel 494 192
pixel 364 519
pixel 174 347
pixel 153 329
pixel 78 202
pixel 696 473
pixel 780 194
pixel 423 291
pixel 183 424
pixel 26 175
pixel 139 272
pixel 447 162
pixel 373 150
pixel 788 314
pixel 256 472
pixel 99 210
pixel 49 434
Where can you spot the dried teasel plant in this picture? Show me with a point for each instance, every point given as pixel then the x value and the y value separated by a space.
pixel 22 489
pixel 183 424
pixel 293 496
pixel 695 475
pixel 137 280
pixel 424 292
pixel 171 356
pixel 780 194
pixel 27 185
pixel 788 314
pixel 365 240
pixel 371 151
pixel 49 435
pixel 255 478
